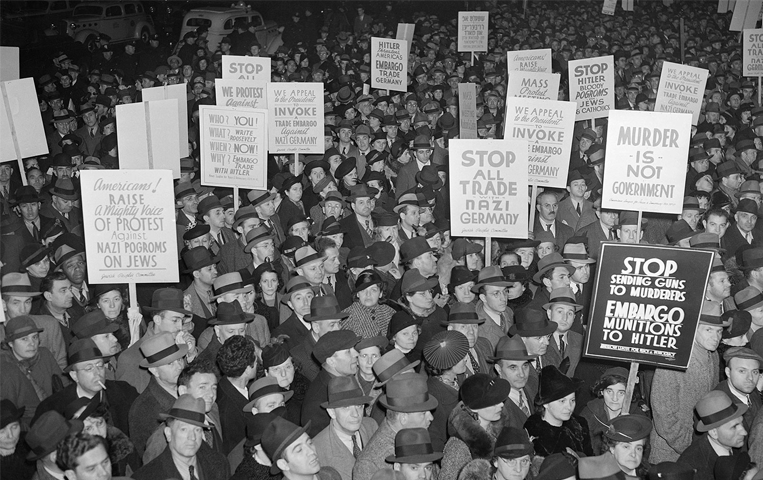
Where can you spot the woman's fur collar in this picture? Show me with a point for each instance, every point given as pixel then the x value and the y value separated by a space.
pixel 480 442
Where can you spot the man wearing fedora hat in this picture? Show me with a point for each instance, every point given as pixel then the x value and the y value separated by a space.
pixel 164 360
pixel 299 294
pixel 463 318
pixel 339 444
pixel 264 204
pixel 408 210
pixel 408 405
pixel 674 393
pixel 186 204
pixel 292 453
pixel 600 230
pixel 212 213
pixel 565 343
pixel 229 321
pixel 576 211
pixel 741 384
pixel 722 432
pixel 232 255
pixel 414 454
pixel 406 177
pixel 26 202
pixel 546 220
pixel 325 316
pixel 309 265
pixel 512 363
pixel 492 306
pixel 359 227
pixel 202 266
pixel 335 351
pixel 743 231
pixel 535 329
pixel 553 272
pixel 61 207
pixel 17 297
pixel 184 428
pixel 44 438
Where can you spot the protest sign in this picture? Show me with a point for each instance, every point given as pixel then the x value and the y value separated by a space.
pixel 240 94
pixel 752 52
pixel 405 31
pixel 592 86
pixel 129 221
pixel 295 117
pixel 544 86
pixel 233 150
pixel 681 90
pixel 9 63
pixel 723 6
pixel 650 149
pixel 488 193
pixel 389 64
pixel 472 31
pixel 646 303
pixel 530 60
pixel 608 7
pixel 21 132
pixel 180 93
pixel 467 110
pixel 547 126
pixel 142 136
pixel 627 5
pixel 746 14
pixel 254 69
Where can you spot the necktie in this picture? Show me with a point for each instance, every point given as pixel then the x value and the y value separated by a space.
pixel 548 227
pixel 35 232
pixel 537 364
pixel 585 158
pixel 92 132
pixel 574 286
pixel 475 365
pixel 523 404
pixel 220 240
pixel 191 473
pixel 209 437
pixel 5 191
pixel 562 346
pixel 355 447
pixel 749 238
pixel 344 152
pixel 369 230
pixel 611 234
pixel 577 209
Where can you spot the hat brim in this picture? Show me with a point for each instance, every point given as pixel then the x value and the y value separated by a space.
pixel 429 284
pixel 248 318
pixel 153 310
pixel 334 316
pixel 75 426
pixel 548 330
pixel 430 404
pixel 503 283
pixel 739 410
pixel 206 263
pixel 559 394
pixel 495 359
pixel 274 470
pixel 237 290
pixel 22 294
pixel 586 260
pixel 576 306
pixel 182 352
pixel 498 394
pixel 431 457
pixel 407 368
pixel 286 396
pixel 367 285
pixel 537 276
pixel 165 416
pixel 364 400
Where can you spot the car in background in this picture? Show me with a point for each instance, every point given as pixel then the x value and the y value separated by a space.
pixel 122 21
pixel 220 21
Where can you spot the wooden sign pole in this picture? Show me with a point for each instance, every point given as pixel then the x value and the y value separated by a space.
pixel 488 250
pixel 15 139
pixel 533 199
pixel 632 376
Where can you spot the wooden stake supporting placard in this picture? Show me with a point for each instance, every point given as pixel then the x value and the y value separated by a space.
pixel 629 387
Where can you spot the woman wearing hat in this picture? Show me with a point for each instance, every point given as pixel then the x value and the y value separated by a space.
pixel 608 404
pixel 291 205
pixel 626 440
pixel 554 427
pixel 474 423
pixel 418 299
pixel 460 287
pixel 519 294
pixel 512 455
pixel 267 300
pixel 110 299
pixel 13 448
pixel 445 359
pixel 403 334
pixel 36 262
pixel 368 317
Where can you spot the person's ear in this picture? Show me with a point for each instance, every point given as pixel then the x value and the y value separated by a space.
pixel 282 464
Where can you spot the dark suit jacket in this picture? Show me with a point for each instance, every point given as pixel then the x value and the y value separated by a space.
pixel 303 356
pixel 563 232
pixel 144 413
pixel 332 452
pixel 406 177
pixel 119 397
pixel 569 216
pixel 90 146
pixel 317 393
pixel 277 229
pixel 75 216
pixel 231 404
pixel 233 258
pixel 733 239
pixel 755 404
pixel 701 456
pixel 573 350
pixel 595 236
pixel 514 414
pixel 228 236
pixel 293 328
pixel 213 465
pixel 354 236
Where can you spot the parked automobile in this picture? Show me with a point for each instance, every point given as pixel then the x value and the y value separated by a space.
pixel 220 22
pixel 122 21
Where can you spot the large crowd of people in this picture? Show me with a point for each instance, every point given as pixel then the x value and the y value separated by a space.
pixel 330 327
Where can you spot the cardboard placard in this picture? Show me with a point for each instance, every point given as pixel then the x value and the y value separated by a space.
pixel 389 64
pixel 142 136
pixel 530 60
pixel 254 69
pixel 489 189
pixel 240 94
pixel 608 7
pixel 179 93
pixel 723 6
pixel 9 63
pixel 627 5
pixel 746 14
pixel 233 150
pixel 295 117
pixel 649 170
pixel 752 52
pixel 20 115
pixel 129 220
pixel 681 90
pixel 472 31
pixel 405 31
pixel 592 86
pixel 547 126
pixel 544 86
pixel 467 110
pixel 646 303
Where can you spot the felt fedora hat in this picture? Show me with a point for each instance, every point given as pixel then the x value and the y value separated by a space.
pixel 231 313
pixel 307 255
pixel 262 387
pixel 752 258
pixel 413 445
pixel 93 323
pixel 512 442
pixel 325 308
pixel 367 279
pixel 408 392
pixel 198 258
pixel 481 391
pixel 9 413
pixel 555 385
pixel 229 283
pixel 492 275
pixel 711 314
pixel 167 299
pixel 576 252
pixel 64 253
pixel 628 428
pixel 344 392
pixel 556 466
pixel 160 350
pixel 511 348
pixel 31 254
pixel 64 188
pixel 390 364
pixel 258 197
pixel 671 471
pixel 463 313
pixel 446 349
pixel 460 275
pixel 748 299
pixel 564 296
pixel 462 247
pixel 257 235
pixel 294 285
pixel 715 409
pixel 414 247
pixel 20 327
pixel 188 409
pixel 244 213
pixel 17 285
pixel 278 435
pixel 529 322
pixel 413 281
pixel 378 341
pixel 47 432
pixel 549 262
